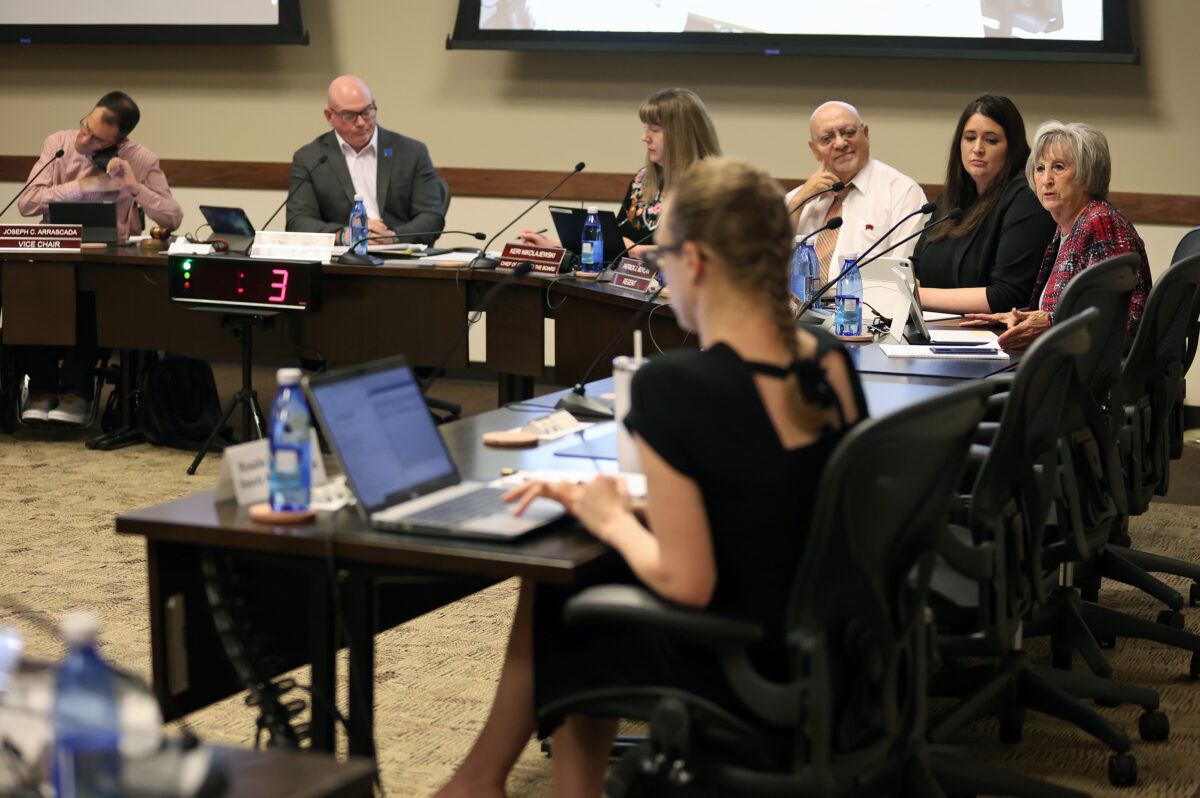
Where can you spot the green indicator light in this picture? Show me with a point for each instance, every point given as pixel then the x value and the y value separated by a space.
pixel 186 265
pixel 187 275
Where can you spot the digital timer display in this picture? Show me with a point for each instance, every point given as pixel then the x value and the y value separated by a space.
pixel 244 282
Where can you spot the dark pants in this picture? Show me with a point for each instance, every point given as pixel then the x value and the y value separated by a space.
pixel 75 375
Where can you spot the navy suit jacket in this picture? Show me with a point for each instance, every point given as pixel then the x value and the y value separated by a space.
pixel 407 187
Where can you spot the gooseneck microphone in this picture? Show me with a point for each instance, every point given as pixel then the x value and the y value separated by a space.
pixel 927 208
pixel 45 166
pixel 306 179
pixel 523 268
pixel 483 261
pixel 832 224
pixel 577 402
pixel 836 187
pixel 953 213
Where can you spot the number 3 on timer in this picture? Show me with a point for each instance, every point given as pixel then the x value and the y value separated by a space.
pixel 282 274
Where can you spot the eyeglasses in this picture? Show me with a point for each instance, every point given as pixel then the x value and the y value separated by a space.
pixel 87 131
pixel 367 114
pixel 847 133
pixel 655 257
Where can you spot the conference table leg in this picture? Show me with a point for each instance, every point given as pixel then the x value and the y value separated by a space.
pixel 322 648
pixel 360 631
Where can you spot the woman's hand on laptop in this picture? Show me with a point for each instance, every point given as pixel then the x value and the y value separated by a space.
pixel 597 504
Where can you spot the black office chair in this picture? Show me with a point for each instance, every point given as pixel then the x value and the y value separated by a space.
pixel 989 576
pixel 1187 246
pixel 1092 511
pixel 851 716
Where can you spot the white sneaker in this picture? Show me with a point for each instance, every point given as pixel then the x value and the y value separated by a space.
pixel 71 410
pixel 38 407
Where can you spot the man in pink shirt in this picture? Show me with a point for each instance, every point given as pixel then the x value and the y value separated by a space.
pixel 100 164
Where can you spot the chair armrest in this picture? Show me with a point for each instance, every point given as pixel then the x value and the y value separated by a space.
pixel 444 405
pixel 975 561
pixel 630 604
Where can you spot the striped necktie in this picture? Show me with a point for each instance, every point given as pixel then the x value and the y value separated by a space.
pixel 827 239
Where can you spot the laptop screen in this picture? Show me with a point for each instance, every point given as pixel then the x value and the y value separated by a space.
pixel 376 420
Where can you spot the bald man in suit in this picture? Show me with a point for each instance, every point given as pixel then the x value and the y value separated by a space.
pixel 393 174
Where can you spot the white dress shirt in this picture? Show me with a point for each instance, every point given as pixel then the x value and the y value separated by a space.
pixel 878 197
pixel 363 166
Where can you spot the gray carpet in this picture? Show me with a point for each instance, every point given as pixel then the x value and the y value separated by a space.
pixel 435 675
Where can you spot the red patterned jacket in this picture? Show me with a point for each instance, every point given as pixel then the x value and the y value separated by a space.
pixel 1100 233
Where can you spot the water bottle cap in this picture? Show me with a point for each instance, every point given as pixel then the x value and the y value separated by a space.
pixel 798 239
pixel 593 209
pixel 358 197
pixel 79 627
pixel 285 377
pixel 849 256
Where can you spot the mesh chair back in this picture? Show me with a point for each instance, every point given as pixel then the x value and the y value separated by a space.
pixel 862 582
pixel 444 187
pixel 1014 489
pixel 1188 245
pixel 1153 373
pixel 1106 286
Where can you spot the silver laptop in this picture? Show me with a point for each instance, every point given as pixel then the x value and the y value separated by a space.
pixel 889 287
pixel 396 463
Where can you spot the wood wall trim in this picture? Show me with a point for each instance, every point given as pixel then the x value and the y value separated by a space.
pixel 1179 209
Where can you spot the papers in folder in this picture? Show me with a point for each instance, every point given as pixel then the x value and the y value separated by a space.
pixel 953 345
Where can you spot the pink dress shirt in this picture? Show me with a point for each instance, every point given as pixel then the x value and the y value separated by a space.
pixel 60 183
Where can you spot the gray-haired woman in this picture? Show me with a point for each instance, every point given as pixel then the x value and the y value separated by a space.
pixel 1069 170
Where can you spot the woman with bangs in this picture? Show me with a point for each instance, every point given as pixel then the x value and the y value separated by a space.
pixel 677 131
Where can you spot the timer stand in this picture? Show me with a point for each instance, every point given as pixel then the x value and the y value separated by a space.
pixel 253 423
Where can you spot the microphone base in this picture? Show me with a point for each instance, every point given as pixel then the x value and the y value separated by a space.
pixel 580 404
pixel 814 317
pixel 483 262
pixel 916 338
pixel 355 259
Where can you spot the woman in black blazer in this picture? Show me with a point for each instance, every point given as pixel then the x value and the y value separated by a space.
pixel 988 259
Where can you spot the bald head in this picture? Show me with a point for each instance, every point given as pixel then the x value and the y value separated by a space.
pixel 349 96
pixel 839 138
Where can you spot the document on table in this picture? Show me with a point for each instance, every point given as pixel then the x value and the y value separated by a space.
pixel 984 352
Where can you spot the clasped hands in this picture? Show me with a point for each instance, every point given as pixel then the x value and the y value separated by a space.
pixel 598 504
pixel 1021 326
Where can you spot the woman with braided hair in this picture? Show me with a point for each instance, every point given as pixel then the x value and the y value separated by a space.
pixel 732 439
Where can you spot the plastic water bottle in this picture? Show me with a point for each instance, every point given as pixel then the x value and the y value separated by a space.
pixel 358 226
pixel 290 482
pixel 591 248
pixel 804 273
pixel 87 724
pixel 848 300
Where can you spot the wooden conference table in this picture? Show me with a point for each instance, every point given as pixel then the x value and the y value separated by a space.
pixel 367 312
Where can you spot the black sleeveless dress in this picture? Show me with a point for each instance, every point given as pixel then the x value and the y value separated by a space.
pixel 702 413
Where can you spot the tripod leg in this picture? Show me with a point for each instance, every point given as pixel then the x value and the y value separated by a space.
pixel 212 436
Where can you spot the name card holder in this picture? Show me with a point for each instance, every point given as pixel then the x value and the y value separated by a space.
pixel 41 237
pixel 633 275
pixel 546 261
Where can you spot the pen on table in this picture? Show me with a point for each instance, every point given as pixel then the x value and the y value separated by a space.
pixel 536 232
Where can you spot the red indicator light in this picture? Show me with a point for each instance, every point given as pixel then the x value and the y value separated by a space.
pixel 187 285
pixel 241 290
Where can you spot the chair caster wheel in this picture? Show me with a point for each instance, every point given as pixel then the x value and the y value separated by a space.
pixel 1011 731
pixel 1171 618
pixel 1154 726
pixel 1194 594
pixel 1122 770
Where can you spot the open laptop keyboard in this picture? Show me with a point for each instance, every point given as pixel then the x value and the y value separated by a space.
pixel 476 504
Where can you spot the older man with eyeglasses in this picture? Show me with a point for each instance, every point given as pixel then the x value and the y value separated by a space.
pixel 98 164
pixel 875 196
pixel 392 173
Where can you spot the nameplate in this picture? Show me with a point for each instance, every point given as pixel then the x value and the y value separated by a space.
pixel 546 261
pixel 246 468
pixel 24 237
pixel 633 274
